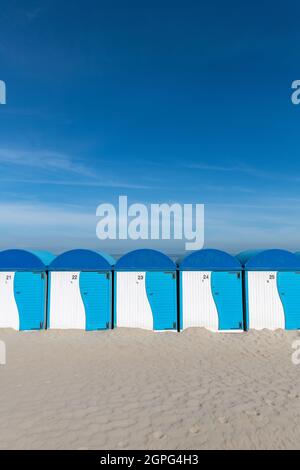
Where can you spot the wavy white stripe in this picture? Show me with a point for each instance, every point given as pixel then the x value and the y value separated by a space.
pixel 198 305
pixel 265 308
pixel 9 315
pixel 66 306
pixel 133 308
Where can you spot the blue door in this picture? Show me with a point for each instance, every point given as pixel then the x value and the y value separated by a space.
pixel 29 291
pixel 288 284
pixel 95 288
pixel 227 293
pixel 161 293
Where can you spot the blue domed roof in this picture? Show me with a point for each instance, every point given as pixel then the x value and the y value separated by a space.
pixel 269 260
pixel 209 259
pixel 82 260
pixel 145 259
pixel 16 260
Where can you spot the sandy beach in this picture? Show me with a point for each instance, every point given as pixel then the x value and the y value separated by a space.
pixel 133 389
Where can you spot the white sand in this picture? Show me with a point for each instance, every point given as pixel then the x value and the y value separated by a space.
pixel 127 389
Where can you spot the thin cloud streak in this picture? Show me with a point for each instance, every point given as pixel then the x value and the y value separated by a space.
pixel 60 164
pixel 256 172
pixel 44 215
pixel 44 160
pixel 96 184
pixel 207 167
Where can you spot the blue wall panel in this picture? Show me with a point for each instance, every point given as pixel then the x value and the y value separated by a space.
pixel 162 296
pixel 95 289
pixel 289 291
pixel 29 291
pixel 227 293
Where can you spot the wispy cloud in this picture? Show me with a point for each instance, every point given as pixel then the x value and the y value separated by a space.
pixel 58 167
pixel 79 183
pixel 208 167
pixel 263 224
pixel 43 215
pixel 241 168
pixel 44 160
pixel 46 225
pixel 34 13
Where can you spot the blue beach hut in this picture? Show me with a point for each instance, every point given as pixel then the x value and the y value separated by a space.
pixel 80 291
pixel 23 283
pixel 145 291
pixel 211 291
pixel 272 289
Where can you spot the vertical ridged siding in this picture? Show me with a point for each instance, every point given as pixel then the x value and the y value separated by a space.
pixel 265 309
pixel 132 306
pixel 66 306
pixel 198 306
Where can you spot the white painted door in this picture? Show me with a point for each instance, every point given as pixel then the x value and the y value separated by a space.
pixel 198 306
pixel 265 309
pixel 132 305
pixel 66 309
pixel 9 315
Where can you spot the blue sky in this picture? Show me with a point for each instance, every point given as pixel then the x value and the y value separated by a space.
pixel 163 101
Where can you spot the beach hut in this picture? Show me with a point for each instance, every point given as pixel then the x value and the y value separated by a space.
pixel 23 284
pixel 272 289
pixel 80 291
pixel 146 291
pixel 211 291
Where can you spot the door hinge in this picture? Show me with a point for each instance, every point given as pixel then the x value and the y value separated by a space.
pixel 170 274
pixel 107 275
pixel 237 274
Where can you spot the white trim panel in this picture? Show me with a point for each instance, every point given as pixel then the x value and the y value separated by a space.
pixel 9 314
pixel 132 305
pixel 66 306
pixel 198 305
pixel 265 308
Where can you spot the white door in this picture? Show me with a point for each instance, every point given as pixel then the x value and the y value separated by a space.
pixel 265 309
pixel 9 315
pixel 66 309
pixel 198 305
pixel 132 305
